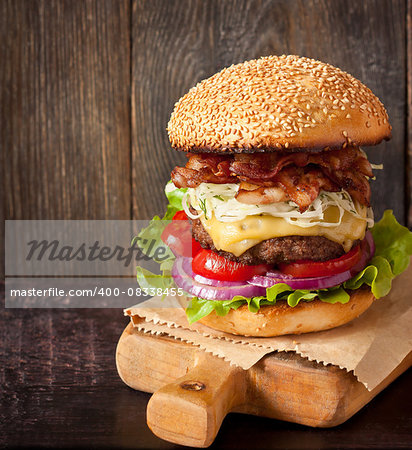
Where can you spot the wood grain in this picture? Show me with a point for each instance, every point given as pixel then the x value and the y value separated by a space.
pixel 57 373
pixel 65 109
pixel 60 388
pixel 176 44
pixel 409 111
pixel 65 84
pixel 66 149
pixel 190 402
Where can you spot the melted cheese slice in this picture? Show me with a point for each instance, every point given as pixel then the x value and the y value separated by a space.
pixel 237 237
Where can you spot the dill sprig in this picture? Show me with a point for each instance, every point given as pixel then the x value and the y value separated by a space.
pixel 202 204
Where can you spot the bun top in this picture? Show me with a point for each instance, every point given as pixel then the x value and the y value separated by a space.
pixel 278 103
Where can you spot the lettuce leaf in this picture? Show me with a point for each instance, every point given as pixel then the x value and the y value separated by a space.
pixel 378 275
pixel 149 241
pixel 175 197
pixel 393 242
pixel 199 307
pixel 334 295
pixel 393 250
pixel 147 279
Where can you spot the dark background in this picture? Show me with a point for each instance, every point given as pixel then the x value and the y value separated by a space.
pixel 86 90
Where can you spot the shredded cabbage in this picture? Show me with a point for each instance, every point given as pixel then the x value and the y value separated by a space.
pixel 374 166
pixel 377 166
pixel 219 199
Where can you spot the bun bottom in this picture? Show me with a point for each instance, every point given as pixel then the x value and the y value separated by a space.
pixel 281 319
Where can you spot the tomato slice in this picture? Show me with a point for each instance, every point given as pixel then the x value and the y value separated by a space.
pixel 180 215
pixel 196 247
pixel 307 269
pixel 209 264
pixel 178 236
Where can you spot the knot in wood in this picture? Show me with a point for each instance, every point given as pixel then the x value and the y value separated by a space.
pixel 193 385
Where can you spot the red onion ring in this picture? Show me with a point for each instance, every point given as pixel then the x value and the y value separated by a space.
pixel 303 283
pixel 280 275
pixel 185 281
pixel 210 289
pixel 274 277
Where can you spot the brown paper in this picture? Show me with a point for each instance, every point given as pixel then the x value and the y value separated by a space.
pixel 371 345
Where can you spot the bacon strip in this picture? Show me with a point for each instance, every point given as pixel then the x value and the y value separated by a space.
pixel 261 195
pixel 356 184
pixel 183 177
pixel 303 184
pixel 300 175
pixel 266 166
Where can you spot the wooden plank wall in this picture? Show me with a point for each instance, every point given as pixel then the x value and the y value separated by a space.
pixel 409 111
pixel 87 88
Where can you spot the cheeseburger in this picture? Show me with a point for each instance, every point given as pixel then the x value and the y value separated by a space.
pixel 277 190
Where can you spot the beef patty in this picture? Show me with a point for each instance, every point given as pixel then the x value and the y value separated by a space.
pixel 275 250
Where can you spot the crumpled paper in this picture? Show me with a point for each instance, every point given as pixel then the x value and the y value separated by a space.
pixel 371 346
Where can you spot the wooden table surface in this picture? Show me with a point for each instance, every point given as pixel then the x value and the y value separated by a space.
pixel 60 388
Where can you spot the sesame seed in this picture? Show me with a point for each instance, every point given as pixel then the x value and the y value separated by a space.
pixel 254 104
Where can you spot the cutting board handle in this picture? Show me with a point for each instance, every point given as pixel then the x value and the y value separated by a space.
pixel 190 410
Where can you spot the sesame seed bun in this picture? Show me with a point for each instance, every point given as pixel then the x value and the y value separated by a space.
pixel 281 319
pixel 278 103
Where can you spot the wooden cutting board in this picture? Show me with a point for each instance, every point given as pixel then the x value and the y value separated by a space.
pixel 194 390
